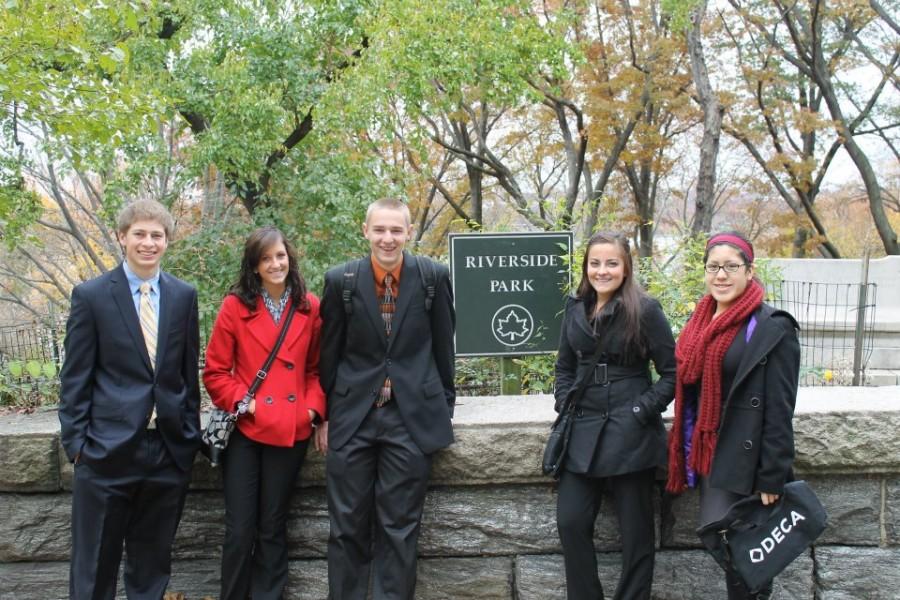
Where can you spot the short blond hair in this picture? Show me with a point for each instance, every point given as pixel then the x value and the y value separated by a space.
pixel 390 204
pixel 145 210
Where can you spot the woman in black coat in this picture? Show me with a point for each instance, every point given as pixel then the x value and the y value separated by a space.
pixel 738 366
pixel 610 333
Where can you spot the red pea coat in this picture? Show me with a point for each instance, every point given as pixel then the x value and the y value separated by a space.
pixel 239 345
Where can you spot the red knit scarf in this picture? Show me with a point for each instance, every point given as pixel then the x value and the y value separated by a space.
pixel 699 354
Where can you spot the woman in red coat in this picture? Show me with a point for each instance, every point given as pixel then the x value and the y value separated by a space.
pixel 268 446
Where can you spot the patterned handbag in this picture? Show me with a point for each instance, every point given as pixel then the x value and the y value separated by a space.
pixel 221 423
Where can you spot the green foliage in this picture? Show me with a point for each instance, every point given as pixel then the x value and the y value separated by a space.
pixel 679 12
pixel 484 51
pixel 28 383
pixel 210 260
pixel 679 283
pixel 252 71
pixel 538 373
pixel 477 376
pixel 19 206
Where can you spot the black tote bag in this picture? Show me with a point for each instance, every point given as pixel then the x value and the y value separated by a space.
pixel 758 542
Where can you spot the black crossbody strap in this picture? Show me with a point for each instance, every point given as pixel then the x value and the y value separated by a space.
pixel 581 386
pixel 264 370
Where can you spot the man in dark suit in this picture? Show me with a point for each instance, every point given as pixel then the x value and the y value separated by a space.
pixel 386 364
pixel 129 412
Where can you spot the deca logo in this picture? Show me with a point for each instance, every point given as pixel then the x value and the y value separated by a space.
pixel 768 543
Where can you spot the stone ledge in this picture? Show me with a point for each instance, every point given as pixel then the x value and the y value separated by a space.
pixel 500 440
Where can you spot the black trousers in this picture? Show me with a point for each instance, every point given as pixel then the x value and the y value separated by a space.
pixel 139 507
pixel 714 503
pixel 576 511
pixel 258 482
pixel 377 481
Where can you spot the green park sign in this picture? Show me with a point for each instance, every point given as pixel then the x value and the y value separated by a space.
pixel 509 291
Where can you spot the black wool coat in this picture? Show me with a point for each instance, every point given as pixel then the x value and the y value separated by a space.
pixel 755 447
pixel 618 426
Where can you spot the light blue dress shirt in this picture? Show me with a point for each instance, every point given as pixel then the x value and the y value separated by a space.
pixel 134 283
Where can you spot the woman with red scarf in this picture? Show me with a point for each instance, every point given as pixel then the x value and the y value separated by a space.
pixel 738 362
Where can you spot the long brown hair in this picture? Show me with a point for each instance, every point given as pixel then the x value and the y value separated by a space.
pixel 630 293
pixel 248 287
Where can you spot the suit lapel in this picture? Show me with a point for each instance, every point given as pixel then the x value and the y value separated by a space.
pixel 166 303
pixel 121 294
pixel 366 287
pixel 409 278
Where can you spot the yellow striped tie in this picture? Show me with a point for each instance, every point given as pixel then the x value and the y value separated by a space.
pixel 148 323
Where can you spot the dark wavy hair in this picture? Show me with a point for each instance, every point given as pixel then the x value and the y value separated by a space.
pixel 630 293
pixel 248 287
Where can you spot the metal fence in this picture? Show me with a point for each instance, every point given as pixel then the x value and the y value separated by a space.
pixel 837 334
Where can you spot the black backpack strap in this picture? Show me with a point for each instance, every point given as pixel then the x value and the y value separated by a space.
pixel 427 273
pixel 348 285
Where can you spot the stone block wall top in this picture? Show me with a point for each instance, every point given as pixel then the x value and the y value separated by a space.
pixel 500 440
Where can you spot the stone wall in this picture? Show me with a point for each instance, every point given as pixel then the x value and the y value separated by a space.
pixel 489 528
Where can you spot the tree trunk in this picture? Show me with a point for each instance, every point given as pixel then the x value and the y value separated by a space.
pixel 712 126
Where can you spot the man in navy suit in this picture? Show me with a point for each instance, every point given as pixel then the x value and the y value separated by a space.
pixel 386 364
pixel 129 412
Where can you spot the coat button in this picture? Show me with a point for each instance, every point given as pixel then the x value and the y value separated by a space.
pixel 604 415
pixel 754 402
pixel 388 361
pixel 764 360
pixel 636 409
pixel 291 397
pixel 289 366
pixel 579 413
pixel 748 444
pixel 269 400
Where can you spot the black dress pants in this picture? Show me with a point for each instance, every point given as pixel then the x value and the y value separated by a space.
pixel 140 506
pixel 377 480
pixel 258 482
pixel 576 511
pixel 714 504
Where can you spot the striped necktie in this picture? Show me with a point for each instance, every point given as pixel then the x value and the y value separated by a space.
pixel 148 323
pixel 388 304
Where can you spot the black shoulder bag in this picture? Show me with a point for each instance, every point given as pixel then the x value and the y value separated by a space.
pixel 221 422
pixel 561 430
pixel 757 542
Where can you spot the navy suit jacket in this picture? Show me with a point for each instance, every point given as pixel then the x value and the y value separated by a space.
pixel 108 387
pixel 356 355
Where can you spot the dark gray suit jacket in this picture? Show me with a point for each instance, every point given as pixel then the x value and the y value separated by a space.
pixel 356 354
pixel 108 386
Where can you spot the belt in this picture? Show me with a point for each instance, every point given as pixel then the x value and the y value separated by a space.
pixel 604 374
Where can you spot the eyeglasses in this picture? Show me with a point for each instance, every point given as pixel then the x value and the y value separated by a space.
pixel 713 269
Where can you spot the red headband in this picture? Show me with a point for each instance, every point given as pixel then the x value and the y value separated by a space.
pixel 727 238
